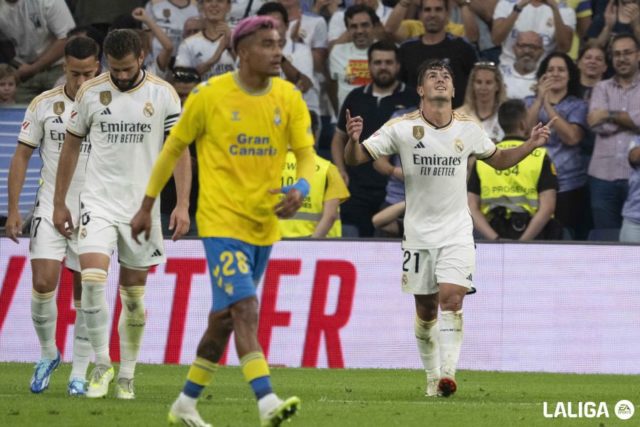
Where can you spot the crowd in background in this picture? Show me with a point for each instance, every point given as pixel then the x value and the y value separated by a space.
pixel 571 61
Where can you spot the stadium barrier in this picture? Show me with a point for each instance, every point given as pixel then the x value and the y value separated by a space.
pixel 338 304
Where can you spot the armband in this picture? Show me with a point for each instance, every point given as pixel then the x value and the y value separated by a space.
pixel 301 185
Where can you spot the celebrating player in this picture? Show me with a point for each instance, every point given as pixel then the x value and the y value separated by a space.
pixel 44 127
pixel 125 113
pixel 242 123
pixel 434 144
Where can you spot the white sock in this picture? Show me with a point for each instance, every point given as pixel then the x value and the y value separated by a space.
pixel 186 401
pixel 428 338
pixel 131 328
pixel 450 340
pixel 44 315
pixel 81 345
pixel 96 312
pixel 267 403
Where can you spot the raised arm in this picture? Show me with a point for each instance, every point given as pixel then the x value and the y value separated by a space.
pixel 506 158
pixel 354 153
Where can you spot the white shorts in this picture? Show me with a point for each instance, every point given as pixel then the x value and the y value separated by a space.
pixel 424 269
pixel 47 243
pixel 100 235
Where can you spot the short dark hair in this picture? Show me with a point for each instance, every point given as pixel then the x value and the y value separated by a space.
pixel 185 75
pixel 433 64
pixel 360 8
pixel 122 42
pixel 82 47
pixel 383 45
pixel 510 114
pixel 622 36
pixel 589 47
pixel 573 85
pixel 273 7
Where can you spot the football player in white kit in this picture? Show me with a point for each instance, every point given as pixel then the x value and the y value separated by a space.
pixel 434 144
pixel 126 113
pixel 43 128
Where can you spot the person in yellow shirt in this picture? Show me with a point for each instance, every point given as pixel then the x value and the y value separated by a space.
pixel 242 123
pixel 319 215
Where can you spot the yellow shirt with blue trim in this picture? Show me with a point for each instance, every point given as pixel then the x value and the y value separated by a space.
pixel 241 140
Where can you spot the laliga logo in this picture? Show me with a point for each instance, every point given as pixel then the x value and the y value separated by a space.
pixel 624 410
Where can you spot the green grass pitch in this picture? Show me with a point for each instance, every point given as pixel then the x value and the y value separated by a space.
pixel 330 398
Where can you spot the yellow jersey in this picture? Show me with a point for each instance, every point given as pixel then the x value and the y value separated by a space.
pixel 242 138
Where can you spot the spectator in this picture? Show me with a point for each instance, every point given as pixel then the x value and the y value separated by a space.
pixel 592 64
pixel 8 83
pixel 630 231
pixel 554 21
pixel 583 22
pixel 520 76
pixel 348 61
pixel 241 9
pixel 309 29
pixel 338 29
pixel 209 51
pixel 402 26
pixel 183 81
pixel 485 92
pixel 326 8
pixel 389 221
pixel 614 116
pixel 377 102
pixel 516 203
pixel 319 215
pixel 38 30
pixel 558 97
pixel 620 17
pixel 436 43
pixel 171 16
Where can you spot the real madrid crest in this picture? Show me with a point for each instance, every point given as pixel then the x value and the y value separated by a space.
pixel 166 13
pixel 148 109
pixel 459 146
pixel 83 232
pixel 418 132
pixel 58 108
pixel 105 97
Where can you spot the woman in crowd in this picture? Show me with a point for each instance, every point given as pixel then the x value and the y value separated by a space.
pixel 558 98
pixel 485 92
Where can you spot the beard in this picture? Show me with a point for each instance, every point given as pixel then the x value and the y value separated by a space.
pixel 384 80
pixel 125 85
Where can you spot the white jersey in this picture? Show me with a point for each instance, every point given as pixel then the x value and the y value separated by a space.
pixel 349 66
pixel 312 31
pixel 171 19
pixel 299 54
pixel 532 18
pixel 519 86
pixel 197 49
pixel 44 127
pixel 127 132
pixel 32 25
pixel 434 162
pixel 239 10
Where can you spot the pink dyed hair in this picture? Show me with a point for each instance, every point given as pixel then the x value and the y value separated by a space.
pixel 250 25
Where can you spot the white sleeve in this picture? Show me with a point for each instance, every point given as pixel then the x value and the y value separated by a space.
pixel 78 123
pixel 335 62
pixel 59 19
pixel 483 147
pixel 336 25
pixel 31 131
pixel 568 17
pixel 319 38
pixel 173 109
pixel 183 58
pixel 382 142
pixel 503 9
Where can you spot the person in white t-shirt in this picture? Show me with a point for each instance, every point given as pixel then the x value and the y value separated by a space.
pixel 434 144
pixel 171 16
pixel 338 30
pixel 554 21
pixel 520 76
pixel 348 62
pixel 125 112
pixel 209 51
pixel 43 128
